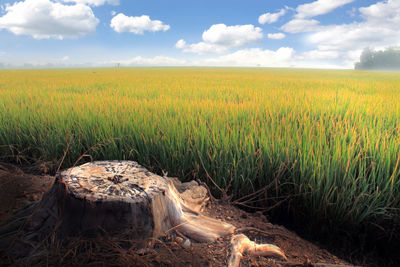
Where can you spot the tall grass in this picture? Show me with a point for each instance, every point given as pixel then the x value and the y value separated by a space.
pixel 331 137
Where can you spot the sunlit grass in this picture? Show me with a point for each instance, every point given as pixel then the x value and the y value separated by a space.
pixel 332 137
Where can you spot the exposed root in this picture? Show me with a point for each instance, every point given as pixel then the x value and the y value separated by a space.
pixel 241 245
pixel 186 215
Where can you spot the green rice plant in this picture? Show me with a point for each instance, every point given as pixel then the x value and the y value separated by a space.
pixel 329 139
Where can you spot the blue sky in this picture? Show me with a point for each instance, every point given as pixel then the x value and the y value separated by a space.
pixel 317 34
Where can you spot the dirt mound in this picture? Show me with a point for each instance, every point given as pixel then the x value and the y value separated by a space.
pixel 17 189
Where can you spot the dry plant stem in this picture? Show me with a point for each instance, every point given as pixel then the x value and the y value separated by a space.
pixel 64 155
pixel 164 245
pixel 242 245
pixel 225 196
pixel 255 194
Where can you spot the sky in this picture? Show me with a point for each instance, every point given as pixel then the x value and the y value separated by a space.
pixel 235 33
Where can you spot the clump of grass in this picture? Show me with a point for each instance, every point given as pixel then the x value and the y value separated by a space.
pixel 336 133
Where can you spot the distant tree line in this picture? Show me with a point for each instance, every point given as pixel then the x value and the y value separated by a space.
pixel 388 59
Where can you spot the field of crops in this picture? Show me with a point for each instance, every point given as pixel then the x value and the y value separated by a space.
pixel 330 140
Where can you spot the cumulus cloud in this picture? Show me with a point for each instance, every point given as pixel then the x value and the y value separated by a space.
pixel 232 36
pixel 137 25
pixel 271 17
pixel 319 7
pixel 302 22
pixel 253 57
pixel 301 25
pixel 386 12
pixel 379 29
pixel 94 2
pixel 219 38
pixel 276 36
pixel 153 61
pixel 344 43
pixel 180 44
pixel 44 19
pixel 200 48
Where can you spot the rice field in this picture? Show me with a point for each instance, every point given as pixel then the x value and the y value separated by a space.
pixel 328 141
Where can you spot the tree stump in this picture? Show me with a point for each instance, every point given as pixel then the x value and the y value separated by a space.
pixel 121 196
pixel 116 196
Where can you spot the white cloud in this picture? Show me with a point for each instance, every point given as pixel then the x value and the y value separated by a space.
pixel 94 2
pixel 219 38
pixel 276 36
pixel 44 19
pixel 379 29
pixel 319 7
pixel 154 61
pixel 137 25
pixel 351 56
pixel 301 25
pixel 386 12
pixel 302 22
pixel 271 17
pixel 200 48
pixel 232 36
pixel 66 58
pixel 180 44
pixel 253 57
pixel 344 42
pixel 319 55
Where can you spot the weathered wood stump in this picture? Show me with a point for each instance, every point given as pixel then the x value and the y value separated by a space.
pixel 122 196
pixel 115 196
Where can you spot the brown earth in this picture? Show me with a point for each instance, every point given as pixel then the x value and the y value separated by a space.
pixel 19 188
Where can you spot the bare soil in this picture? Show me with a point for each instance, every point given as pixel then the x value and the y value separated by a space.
pixel 19 188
